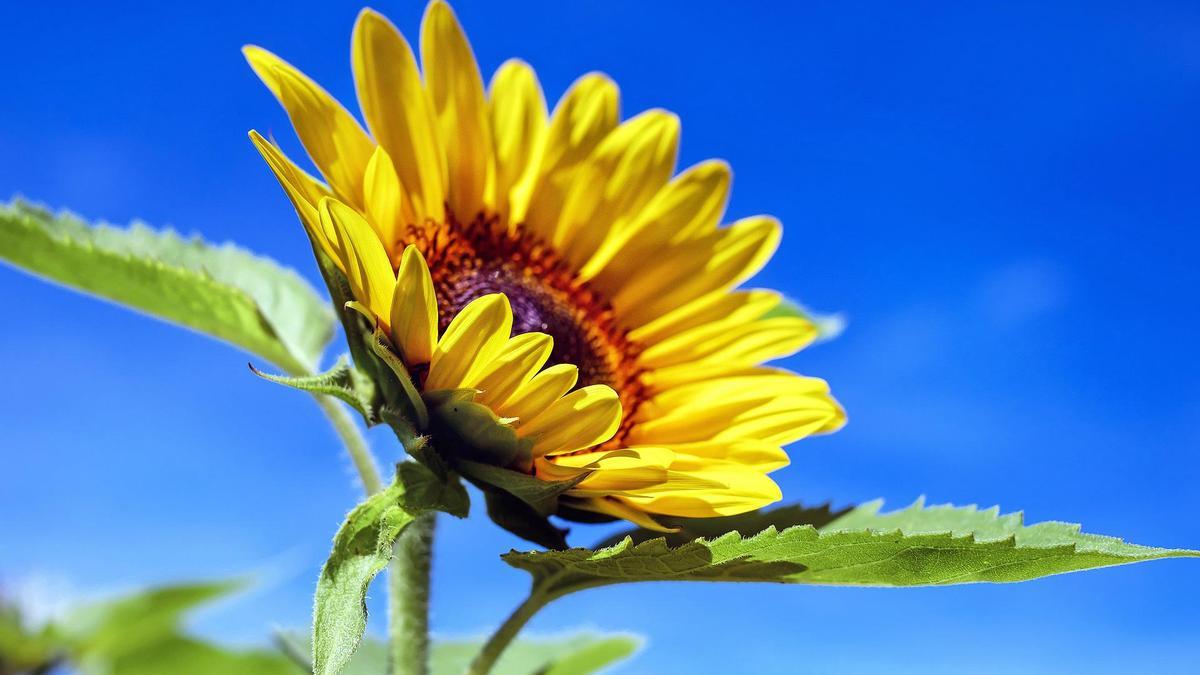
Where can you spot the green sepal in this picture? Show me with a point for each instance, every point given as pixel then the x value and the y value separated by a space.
pixel 521 519
pixel 520 503
pixel 370 347
pixel 541 495
pixel 468 431
pixel 343 382
pixel 407 397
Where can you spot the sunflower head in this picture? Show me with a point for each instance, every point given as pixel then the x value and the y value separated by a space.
pixel 562 308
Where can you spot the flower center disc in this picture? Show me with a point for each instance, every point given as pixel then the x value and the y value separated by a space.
pixel 467 261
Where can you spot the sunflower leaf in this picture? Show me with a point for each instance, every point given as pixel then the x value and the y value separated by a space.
pixel 110 629
pixel 746 524
pixel 222 291
pixel 361 549
pixel 180 655
pixel 916 546
pixel 343 382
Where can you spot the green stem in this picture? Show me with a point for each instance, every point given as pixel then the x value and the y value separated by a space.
pixel 408 598
pixel 485 660
pixel 355 444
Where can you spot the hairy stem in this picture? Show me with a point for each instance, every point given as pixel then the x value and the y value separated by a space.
pixel 352 438
pixel 408 598
pixel 485 660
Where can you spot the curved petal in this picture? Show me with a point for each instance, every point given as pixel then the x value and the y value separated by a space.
pixel 333 138
pixel 581 419
pixel 456 92
pixel 516 364
pixel 629 166
pixel 539 392
pixel 734 307
pixel 398 112
pixel 518 114
pixel 366 264
pixel 414 310
pixel 585 115
pixel 696 268
pixel 743 344
pixel 387 205
pixel 302 190
pixel 690 205
pixel 472 339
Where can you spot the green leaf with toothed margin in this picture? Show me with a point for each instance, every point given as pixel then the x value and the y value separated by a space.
pixel 362 548
pixel 223 291
pixel 746 524
pixel 916 546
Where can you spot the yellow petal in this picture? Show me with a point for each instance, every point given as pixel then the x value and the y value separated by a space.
pixel 620 508
pixel 615 460
pixel 518 114
pixel 748 383
pixel 470 342
pixel 698 267
pixel 398 112
pixel 585 115
pixel 730 343
pixel 621 176
pixel 690 205
pixel 456 91
pixel 519 361
pixel 414 309
pixel 745 490
pixel 540 392
pixel 735 307
pixel 387 205
pixel 366 264
pixel 773 419
pixel 758 455
pixel 302 190
pixel 333 138
pixel 581 419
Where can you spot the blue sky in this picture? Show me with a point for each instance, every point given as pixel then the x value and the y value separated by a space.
pixel 1001 199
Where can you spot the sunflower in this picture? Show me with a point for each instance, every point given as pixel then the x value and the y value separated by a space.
pixel 551 266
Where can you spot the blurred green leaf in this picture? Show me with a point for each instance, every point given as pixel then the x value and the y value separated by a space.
pixel 362 548
pixel 107 630
pixel 575 654
pixel 25 648
pixel 916 546
pixel 222 291
pixel 178 655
